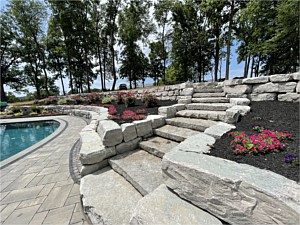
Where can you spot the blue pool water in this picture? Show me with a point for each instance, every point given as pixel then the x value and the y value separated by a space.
pixel 15 137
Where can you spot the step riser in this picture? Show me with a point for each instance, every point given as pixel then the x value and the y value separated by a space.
pixel 208 90
pixel 208 95
pixel 199 115
pixel 209 100
pixel 187 125
pixel 208 107
pixel 173 137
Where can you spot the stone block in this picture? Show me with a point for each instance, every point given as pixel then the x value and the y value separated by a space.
pixel 143 128
pixel 233 82
pixel 281 78
pixel 127 146
pixel 236 96
pixel 218 130
pixel 156 121
pixel 92 149
pixel 170 93
pixel 164 207
pixel 298 87
pixel 240 101
pixel 263 97
pixel 232 115
pixel 265 88
pixel 236 193
pixel 88 169
pixel 172 98
pixel 238 89
pixel 296 76
pixel 256 80
pixel 179 107
pixel 199 143
pixel 187 92
pixel 176 92
pixel 243 109
pixel 166 98
pixel 287 87
pixel 167 111
pixel 129 131
pixel 110 132
pixel 184 100
pixel 289 97
pixel 164 93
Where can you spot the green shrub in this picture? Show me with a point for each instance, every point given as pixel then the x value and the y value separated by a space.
pixel 62 101
pixel 3 113
pixel 18 114
pixel 16 109
pixel 35 109
pixel 107 100
pixel 150 100
pixel 33 114
pixel 130 101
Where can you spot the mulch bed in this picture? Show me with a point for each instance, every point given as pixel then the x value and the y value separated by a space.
pixel 279 116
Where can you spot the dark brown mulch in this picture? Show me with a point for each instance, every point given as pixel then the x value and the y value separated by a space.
pixel 280 116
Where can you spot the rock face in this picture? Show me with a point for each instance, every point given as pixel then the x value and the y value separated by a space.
pixel 127 146
pixel 129 131
pixel 143 128
pixel 92 150
pixel 141 169
pixel 175 133
pixel 289 97
pixel 110 132
pixel 256 80
pixel 265 88
pixel 88 169
pixel 164 207
pixel 200 143
pixel 236 193
pixel 281 78
pixel 187 92
pixel 243 109
pixel 239 89
pixel 203 114
pixel 287 87
pixel 209 106
pixel 240 101
pixel 233 82
pixel 158 146
pixel 190 123
pixel 218 130
pixel 208 95
pixel 108 198
pixel 156 120
pixel 167 111
pixel 263 97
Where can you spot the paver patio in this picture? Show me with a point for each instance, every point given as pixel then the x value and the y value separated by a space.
pixel 38 188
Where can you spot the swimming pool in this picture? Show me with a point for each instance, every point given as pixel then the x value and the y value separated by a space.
pixel 16 137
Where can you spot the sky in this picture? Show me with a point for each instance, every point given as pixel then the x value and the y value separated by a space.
pixel 235 69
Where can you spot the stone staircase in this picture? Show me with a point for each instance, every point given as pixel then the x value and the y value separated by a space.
pixel 132 190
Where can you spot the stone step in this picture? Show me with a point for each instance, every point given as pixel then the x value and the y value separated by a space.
pixel 194 124
pixel 209 95
pixel 175 133
pixel 141 169
pixel 211 100
pixel 203 114
pixel 209 106
pixel 164 207
pixel 208 90
pixel 108 198
pixel 158 146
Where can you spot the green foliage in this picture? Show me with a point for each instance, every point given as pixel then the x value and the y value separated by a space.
pixel 130 101
pixel 18 114
pixel 15 109
pixel 150 100
pixel 35 109
pixel 107 100
pixel 33 113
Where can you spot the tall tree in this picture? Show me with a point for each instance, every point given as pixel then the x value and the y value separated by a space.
pixel 135 26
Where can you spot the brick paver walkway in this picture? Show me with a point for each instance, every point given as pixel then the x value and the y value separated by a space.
pixel 38 189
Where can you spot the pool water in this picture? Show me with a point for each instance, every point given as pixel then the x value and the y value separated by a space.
pixel 15 137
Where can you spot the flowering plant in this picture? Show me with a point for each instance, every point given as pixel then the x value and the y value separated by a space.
pixel 293 159
pixel 264 142
pixel 120 97
pixel 129 99
pixel 93 97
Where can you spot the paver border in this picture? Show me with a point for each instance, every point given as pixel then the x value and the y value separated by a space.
pixel 63 125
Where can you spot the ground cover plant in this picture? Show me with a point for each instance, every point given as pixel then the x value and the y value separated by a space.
pixel 267 138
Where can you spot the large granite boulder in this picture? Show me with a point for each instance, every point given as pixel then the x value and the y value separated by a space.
pixel 238 89
pixel 289 97
pixel 156 120
pixel 167 111
pixel 265 88
pixel 256 80
pixel 263 97
pixel 287 87
pixel 164 207
pixel 143 128
pixel 110 132
pixel 129 131
pixel 92 149
pixel 281 78
pixel 236 193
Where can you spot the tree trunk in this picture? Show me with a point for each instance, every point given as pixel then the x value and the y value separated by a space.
pixel 62 83
pixel 104 69
pixel 248 65
pixel 3 95
pixel 164 59
pixel 229 40
pixel 245 67
pixel 252 67
pixel 112 50
pixel 217 51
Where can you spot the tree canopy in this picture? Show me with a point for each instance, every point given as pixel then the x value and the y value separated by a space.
pixel 170 41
